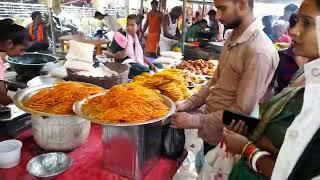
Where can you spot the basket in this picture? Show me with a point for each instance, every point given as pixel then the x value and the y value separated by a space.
pixel 105 82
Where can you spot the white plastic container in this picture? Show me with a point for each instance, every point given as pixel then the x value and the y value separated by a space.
pixel 10 152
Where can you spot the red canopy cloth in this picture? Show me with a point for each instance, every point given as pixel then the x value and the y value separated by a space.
pixel 87 162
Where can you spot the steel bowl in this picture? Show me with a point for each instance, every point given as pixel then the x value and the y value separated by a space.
pixel 48 166
pixel 30 63
pixel 204 81
pixel 77 108
pixel 26 93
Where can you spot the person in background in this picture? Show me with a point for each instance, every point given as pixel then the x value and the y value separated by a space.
pixel 197 17
pixel 140 28
pixel 280 32
pixel 14 41
pixel 216 28
pixel 289 63
pixel 38 33
pixel 108 21
pixel 133 53
pixel 153 24
pixel 282 145
pixel 246 68
pixel 169 35
pixel 267 23
pixel 288 11
pixel 288 68
pixel 197 29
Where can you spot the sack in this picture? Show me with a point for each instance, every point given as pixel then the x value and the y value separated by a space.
pixel 218 164
pixel 173 141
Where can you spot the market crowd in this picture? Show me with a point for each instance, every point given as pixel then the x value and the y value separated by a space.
pixel 262 73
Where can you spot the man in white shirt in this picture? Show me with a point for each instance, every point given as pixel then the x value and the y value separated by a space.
pixel 109 21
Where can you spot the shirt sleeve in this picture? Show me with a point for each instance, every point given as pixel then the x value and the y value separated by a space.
pixel 253 85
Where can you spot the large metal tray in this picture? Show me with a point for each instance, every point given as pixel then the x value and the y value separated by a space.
pixel 27 93
pixel 77 108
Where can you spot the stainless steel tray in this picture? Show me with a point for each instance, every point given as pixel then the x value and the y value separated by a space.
pixel 77 108
pixel 27 93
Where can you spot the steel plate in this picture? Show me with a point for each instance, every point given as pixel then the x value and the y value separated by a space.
pixel 27 93
pixel 77 108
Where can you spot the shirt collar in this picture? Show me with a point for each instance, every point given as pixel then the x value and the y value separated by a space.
pixel 247 34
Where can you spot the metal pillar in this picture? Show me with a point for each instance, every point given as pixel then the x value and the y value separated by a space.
pixel 203 6
pixel 141 6
pixel 184 14
pixel 53 37
pixel 127 4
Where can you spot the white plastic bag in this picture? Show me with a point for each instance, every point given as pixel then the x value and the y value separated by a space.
pixel 218 164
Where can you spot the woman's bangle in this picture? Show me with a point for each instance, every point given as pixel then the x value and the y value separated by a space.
pixel 257 150
pixel 245 149
pixel 250 150
pixel 256 157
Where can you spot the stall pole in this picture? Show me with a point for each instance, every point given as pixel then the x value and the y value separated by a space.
pixel 184 23
pixel 53 37
pixel 127 4
pixel 141 6
pixel 204 5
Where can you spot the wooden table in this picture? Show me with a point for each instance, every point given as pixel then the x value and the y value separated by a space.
pixel 96 42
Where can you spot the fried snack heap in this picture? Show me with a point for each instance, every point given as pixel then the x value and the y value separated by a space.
pixel 126 103
pixel 60 98
pixel 169 82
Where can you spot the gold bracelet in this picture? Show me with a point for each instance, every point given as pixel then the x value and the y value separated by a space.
pixel 245 148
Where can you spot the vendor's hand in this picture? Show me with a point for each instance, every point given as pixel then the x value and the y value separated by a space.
pixel 183 120
pixel 154 68
pixel 239 127
pixel 234 141
pixel 181 107
pixel 120 55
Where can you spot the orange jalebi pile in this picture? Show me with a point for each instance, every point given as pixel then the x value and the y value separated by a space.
pixel 169 82
pixel 60 98
pixel 126 103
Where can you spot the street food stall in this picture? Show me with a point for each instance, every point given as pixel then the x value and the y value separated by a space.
pixel 47 117
pixel 82 126
pixel 117 141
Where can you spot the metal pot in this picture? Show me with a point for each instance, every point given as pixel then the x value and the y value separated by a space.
pixel 131 149
pixel 51 131
pixel 30 64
